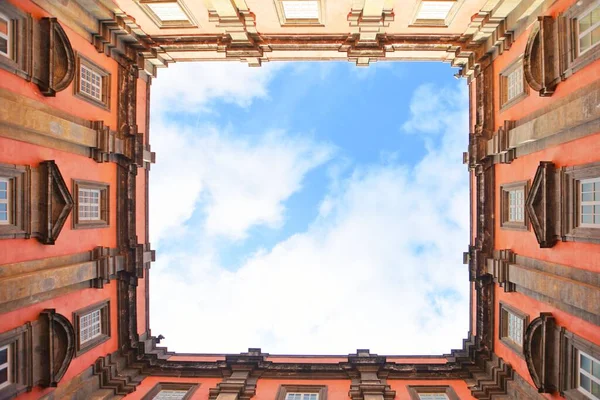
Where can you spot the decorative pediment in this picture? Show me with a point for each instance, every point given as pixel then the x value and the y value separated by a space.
pixel 539 349
pixel 540 204
pixel 57 60
pixel 61 347
pixel 55 201
pixel 541 61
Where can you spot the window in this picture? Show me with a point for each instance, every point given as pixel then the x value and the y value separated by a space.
pixel 302 396
pixel 512 84
pixel 5 33
pixel 92 83
pixel 432 393
pixel 588 375
pixel 588 29
pixel 300 12
pixel 435 12
pixel 433 396
pixel 170 395
pixel 5 366
pixel 580 203
pixel 15 204
pixel 512 327
pixel 589 204
pixel 91 210
pixel 168 14
pixel 92 326
pixel 5 198
pixel 512 205
pixel 171 391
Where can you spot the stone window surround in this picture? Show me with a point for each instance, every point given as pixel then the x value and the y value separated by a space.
pixel 569 199
pixel 503 327
pixel 283 390
pixel 504 205
pixel 104 189
pixel 571 345
pixel 435 23
pixel 320 21
pixel 104 307
pixel 190 23
pixel 106 84
pixel 20 205
pixel 569 32
pixel 190 387
pixel 503 85
pixel 414 391
pixel 18 340
pixel 20 42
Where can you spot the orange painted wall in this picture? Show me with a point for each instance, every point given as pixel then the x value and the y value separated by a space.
pixel 71 167
pixel 533 308
pixel 65 100
pixel 578 255
pixel 534 102
pixel 66 305
pixel 200 394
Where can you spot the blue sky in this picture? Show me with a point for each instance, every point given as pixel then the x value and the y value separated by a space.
pixel 294 201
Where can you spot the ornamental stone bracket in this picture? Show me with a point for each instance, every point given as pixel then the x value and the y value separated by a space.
pixel 108 265
pixel 498 267
pixel 368 19
pixel 241 383
pixel 499 145
pixel 365 369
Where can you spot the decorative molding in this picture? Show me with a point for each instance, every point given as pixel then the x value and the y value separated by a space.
pixel 541 59
pixel 57 60
pixel 498 267
pixel 56 202
pixel 61 341
pixel 539 349
pixel 367 384
pixel 540 204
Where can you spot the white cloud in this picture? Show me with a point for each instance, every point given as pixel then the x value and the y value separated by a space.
pixel 238 182
pixel 189 87
pixel 380 268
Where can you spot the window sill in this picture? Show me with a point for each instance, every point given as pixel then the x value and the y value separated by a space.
pixel 91 344
pixel 88 99
pixel 514 101
pixel 91 225
pixel 518 350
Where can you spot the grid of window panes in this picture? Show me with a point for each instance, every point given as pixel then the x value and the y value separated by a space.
pixel 301 9
pixel 589 210
pixel 90 83
pixel 302 396
pixel 90 326
pixel 5 361
pixel 89 204
pixel 514 328
pixel 170 395
pixel 516 205
pixel 589 28
pixel 4 201
pixel 433 396
pixel 514 84
pixel 168 11
pixel 434 10
pixel 4 35
pixel 589 376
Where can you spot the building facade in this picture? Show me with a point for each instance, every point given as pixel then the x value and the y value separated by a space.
pixel 75 160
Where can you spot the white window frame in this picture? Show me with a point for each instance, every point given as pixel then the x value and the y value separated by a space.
pixel 7 201
pixel 587 374
pixel 442 18
pixel 182 17
pixel 94 326
pixel 81 204
pixel 514 84
pixel 7 366
pixel 515 327
pixel 301 17
pixel 592 203
pixel 170 394
pixel 516 205
pixel 82 81
pixel 303 396
pixel 587 31
pixel 7 36
pixel 433 396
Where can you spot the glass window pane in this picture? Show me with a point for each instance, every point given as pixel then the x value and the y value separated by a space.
pixel 3 356
pixel 3 375
pixel 587 187
pixel 595 389
pixel 585 382
pixel 585 363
